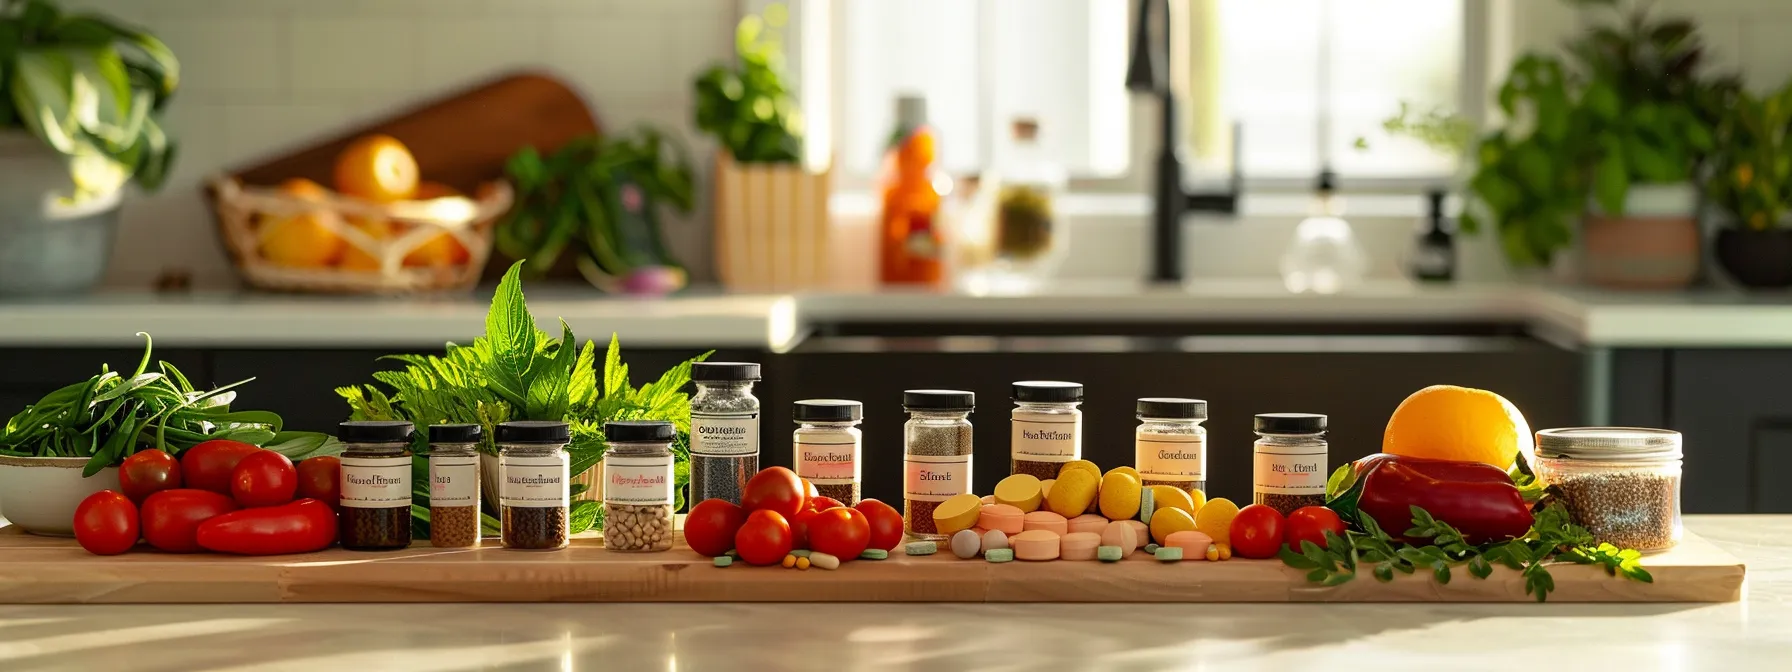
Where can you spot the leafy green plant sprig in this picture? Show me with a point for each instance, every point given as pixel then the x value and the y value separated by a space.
pixel 747 106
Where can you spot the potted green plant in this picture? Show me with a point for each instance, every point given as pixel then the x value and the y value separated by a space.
pixel 1751 183
pixel 78 121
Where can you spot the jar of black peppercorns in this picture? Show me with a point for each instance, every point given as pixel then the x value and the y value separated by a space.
pixel 376 484
pixel 533 495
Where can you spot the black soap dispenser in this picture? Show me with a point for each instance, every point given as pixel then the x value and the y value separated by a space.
pixel 1434 252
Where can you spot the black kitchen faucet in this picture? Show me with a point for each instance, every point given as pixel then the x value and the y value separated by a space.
pixel 1149 73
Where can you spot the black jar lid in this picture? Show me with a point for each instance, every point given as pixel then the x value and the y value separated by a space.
pixel 1288 423
pixel 634 431
pixel 1048 392
pixel 1172 407
pixel 939 400
pixel 724 372
pixel 458 433
pixel 829 410
pixel 375 431
pixel 534 431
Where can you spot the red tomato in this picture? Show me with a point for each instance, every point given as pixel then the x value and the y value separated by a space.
pixel 885 522
pixel 774 489
pixel 1257 532
pixel 764 539
pixel 146 472
pixel 264 478
pixel 318 479
pixel 711 525
pixel 303 526
pixel 106 523
pixel 208 465
pixel 1309 523
pixel 171 518
pixel 799 528
pixel 840 532
pixel 809 494
pixel 823 503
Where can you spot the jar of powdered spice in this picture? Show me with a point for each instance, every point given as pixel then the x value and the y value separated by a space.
pixel 1046 427
pixel 375 482
pixel 936 455
pixel 1170 445
pixel 1621 483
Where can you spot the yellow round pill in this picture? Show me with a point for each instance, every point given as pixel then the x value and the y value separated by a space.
pixel 1165 522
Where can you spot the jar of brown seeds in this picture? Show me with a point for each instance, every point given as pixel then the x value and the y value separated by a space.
pixel 533 496
pixel 1621 483
pixel 454 485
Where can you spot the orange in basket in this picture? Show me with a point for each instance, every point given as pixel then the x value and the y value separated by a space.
pixel 303 240
pixel 378 168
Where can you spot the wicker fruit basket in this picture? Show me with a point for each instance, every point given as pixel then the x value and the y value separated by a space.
pixel 394 262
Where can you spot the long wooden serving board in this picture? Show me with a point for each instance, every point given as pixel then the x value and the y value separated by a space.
pixel 39 570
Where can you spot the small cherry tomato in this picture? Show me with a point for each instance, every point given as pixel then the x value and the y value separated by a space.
pixel 1310 523
pixel 264 478
pixel 799 528
pixel 823 503
pixel 840 532
pixel 319 479
pixel 711 526
pixel 208 466
pixel 774 489
pixel 106 523
pixel 1257 532
pixel 885 522
pixel 147 472
pixel 171 518
pixel 764 539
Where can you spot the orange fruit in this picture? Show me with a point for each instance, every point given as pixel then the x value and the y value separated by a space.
pixel 353 258
pixel 303 240
pixel 443 249
pixel 1447 422
pixel 378 168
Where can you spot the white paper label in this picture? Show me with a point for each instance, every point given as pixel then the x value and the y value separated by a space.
pixel 638 480
pixel 1171 457
pixel 537 481
pixel 1043 437
pixel 725 434
pixel 828 463
pixel 375 482
pixel 1290 473
pixel 454 481
pixel 935 478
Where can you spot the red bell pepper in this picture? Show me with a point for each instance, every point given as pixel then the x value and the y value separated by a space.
pixel 303 526
pixel 1477 499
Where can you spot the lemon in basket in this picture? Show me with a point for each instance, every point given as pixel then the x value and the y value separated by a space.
pixel 377 168
pixel 302 240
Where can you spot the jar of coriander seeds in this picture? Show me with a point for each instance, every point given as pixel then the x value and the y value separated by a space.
pixel 1621 483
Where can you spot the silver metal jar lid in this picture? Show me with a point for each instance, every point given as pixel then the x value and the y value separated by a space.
pixel 1615 444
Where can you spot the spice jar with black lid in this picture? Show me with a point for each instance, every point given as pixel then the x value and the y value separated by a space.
pixel 724 430
pixel 1170 445
pixel 454 485
pixel 375 483
pixel 1289 462
pixel 827 443
pixel 1621 483
pixel 1047 427
pixel 533 496
pixel 936 447
pixel 638 485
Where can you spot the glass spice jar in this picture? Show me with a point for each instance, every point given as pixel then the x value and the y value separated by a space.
pixel 533 496
pixel 375 482
pixel 1170 445
pixel 1621 483
pixel 936 455
pixel 454 485
pixel 828 444
pixel 1289 461
pixel 638 486
pixel 724 430
pixel 1047 427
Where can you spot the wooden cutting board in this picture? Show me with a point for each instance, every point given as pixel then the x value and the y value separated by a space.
pixel 41 570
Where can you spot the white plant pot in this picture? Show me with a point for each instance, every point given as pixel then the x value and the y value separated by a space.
pixel 39 494
pixel 49 245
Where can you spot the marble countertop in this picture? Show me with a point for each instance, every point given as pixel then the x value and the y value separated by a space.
pixel 1746 635
pixel 1573 317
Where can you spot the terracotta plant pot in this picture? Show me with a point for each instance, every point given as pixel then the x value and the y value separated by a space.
pixel 1654 245
pixel 1758 259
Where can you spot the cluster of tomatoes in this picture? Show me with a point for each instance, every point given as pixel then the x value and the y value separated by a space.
pixel 779 512
pixel 1259 531
pixel 221 495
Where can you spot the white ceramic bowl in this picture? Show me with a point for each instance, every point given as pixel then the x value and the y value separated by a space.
pixel 39 494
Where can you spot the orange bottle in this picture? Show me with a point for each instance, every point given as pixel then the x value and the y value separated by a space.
pixel 913 242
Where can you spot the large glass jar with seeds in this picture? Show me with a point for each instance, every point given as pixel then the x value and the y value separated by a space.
pixel 638 486
pixel 532 498
pixel 375 482
pixel 724 429
pixel 454 485
pixel 1621 483
pixel 936 455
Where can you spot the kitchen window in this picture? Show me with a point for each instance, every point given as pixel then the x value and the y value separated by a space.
pixel 1253 64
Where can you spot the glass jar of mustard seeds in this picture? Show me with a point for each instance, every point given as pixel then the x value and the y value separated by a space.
pixel 724 430
pixel 827 445
pixel 1289 461
pixel 454 485
pixel 936 455
pixel 1046 427
pixel 1170 445
pixel 1621 483
pixel 532 498
pixel 375 483
pixel 638 486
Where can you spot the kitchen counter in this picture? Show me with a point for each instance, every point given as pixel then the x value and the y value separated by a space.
pixel 1749 634
pixel 1574 317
